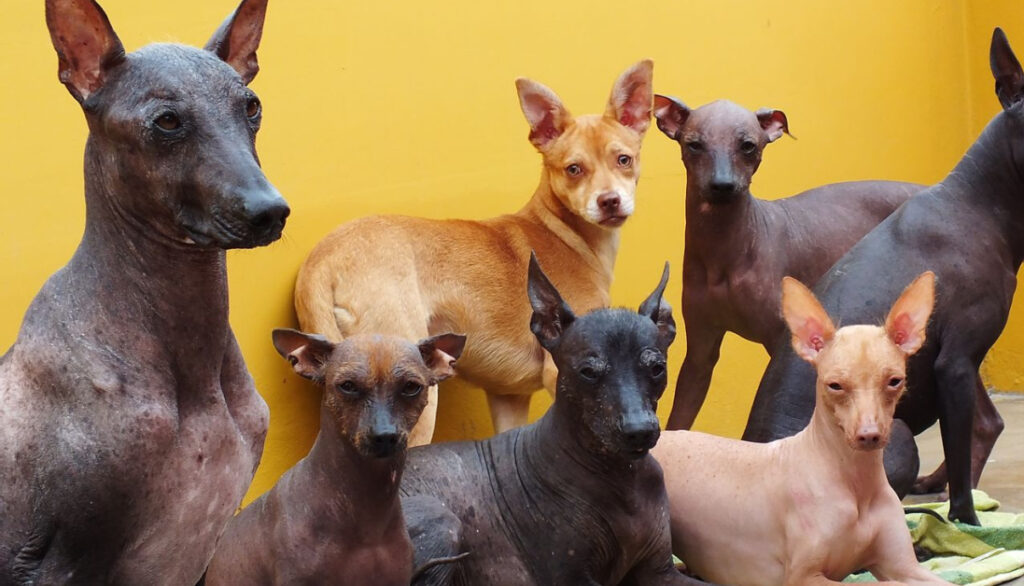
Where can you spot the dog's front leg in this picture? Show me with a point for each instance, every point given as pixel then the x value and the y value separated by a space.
pixel 955 378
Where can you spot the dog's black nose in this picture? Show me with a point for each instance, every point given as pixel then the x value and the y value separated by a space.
pixel 267 215
pixel 641 436
pixel 384 444
pixel 723 187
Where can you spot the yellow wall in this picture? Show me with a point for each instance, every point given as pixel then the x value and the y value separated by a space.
pixel 409 107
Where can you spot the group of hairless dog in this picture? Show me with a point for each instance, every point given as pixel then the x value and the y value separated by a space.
pixel 130 428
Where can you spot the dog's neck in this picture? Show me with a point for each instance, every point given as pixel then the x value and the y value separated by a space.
pixel 560 436
pixel 988 179
pixel 863 472
pixel 707 223
pixel 597 246
pixel 353 489
pixel 174 298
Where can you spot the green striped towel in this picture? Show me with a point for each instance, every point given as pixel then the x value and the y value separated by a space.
pixel 964 554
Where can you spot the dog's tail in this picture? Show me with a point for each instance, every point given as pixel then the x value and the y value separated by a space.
pixel 314 305
pixel 437 562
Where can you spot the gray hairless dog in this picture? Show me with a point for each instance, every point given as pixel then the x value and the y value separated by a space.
pixel 129 425
pixel 574 498
pixel 969 230
pixel 336 517
pixel 738 247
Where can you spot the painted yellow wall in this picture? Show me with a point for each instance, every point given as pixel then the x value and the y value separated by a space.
pixel 409 107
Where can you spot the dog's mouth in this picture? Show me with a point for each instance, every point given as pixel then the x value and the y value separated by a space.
pixel 614 221
pixel 224 233
pixel 637 453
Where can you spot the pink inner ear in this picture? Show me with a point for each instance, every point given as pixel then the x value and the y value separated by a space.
pixel 545 130
pixel 901 329
pixel 816 342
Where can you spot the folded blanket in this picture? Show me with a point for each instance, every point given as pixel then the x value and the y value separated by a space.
pixel 980 556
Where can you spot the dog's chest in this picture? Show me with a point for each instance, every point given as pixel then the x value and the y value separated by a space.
pixel 127 486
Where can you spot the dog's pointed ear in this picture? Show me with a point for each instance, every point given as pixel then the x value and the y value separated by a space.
pixel 773 122
pixel 671 114
pixel 551 315
pixel 87 47
pixel 908 319
pixel 1006 69
pixel 630 100
pixel 660 312
pixel 440 353
pixel 307 353
pixel 547 117
pixel 810 326
pixel 237 39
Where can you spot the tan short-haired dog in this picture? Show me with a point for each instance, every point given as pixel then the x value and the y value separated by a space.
pixel 811 508
pixel 414 277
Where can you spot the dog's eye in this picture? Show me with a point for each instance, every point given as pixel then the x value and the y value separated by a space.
pixel 625 160
pixel 347 388
pixel 253 108
pixel 748 146
pixel 588 373
pixel 695 146
pixel 574 170
pixel 412 388
pixel 835 386
pixel 168 121
pixel 895 382
pixel 657 370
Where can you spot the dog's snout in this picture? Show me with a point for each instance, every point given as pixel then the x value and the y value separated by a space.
pixel 868 436
pixel 268 213
pixel 641 435
pixel 609 202
pixel 723 186
pixel 384 444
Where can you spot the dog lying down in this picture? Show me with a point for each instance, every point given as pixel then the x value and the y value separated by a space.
pixel 812 508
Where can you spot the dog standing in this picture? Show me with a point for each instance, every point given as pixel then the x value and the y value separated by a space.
pixel 969 230
pixel 738 247
pixel 129 425
pixel 335 517
pixel 812 508
pixel 573 498
pixel 412 277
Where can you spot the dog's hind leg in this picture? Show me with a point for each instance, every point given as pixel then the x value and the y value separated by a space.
pixel 508 411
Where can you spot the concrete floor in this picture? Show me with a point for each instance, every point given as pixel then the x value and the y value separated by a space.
pixel 1003 478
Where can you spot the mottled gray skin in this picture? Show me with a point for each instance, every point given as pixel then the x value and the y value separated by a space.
pixel 336 517
pixel 574 498
pixel 129 425
pixel 738 247
pixel 969 230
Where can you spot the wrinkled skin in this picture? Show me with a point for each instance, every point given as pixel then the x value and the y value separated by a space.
pixel 739 247
pixel 574 498
pixel 969 230
pixel 129 426
pixel 335 517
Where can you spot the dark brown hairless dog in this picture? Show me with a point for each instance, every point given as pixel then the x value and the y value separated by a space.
pixel 738 248
pixel 969 230
pixel 129 425
pixel 574 498
pixel 335 517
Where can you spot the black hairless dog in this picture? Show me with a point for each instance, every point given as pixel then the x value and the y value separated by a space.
pixel 969 230
pixel 574 498
pixel 129 426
